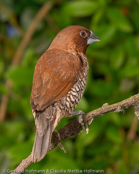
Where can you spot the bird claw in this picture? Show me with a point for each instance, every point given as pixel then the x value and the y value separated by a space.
pixel 59 139
pixel 90 121
pixel 80 114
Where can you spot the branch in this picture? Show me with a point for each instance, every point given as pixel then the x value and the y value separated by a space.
pixel 73 127
pixel 18 55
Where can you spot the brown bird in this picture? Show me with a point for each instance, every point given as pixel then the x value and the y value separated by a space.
pixel 58 84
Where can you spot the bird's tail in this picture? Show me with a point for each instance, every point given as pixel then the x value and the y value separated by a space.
pixel 44 129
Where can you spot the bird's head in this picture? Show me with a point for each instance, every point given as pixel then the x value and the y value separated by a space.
pixel 74 38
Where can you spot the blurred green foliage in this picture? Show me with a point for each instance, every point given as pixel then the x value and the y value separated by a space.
pixel 113 76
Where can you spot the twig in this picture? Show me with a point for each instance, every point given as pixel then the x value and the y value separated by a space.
pixel 73 127
pixel 51 23
pixel 18 55
pixel 132 131
pixel 41 13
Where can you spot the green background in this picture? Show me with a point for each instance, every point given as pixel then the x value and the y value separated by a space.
pixel 112 144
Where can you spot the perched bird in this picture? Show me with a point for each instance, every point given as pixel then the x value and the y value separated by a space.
pixel 58 84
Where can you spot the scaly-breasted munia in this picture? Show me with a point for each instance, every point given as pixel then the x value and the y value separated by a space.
pixel 59 82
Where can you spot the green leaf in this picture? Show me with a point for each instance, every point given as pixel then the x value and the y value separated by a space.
pixel 115 118
pixel 6 141
pixel 3 89
pixel 115 151
pixel 117 57
pixel 21 75
pixel 99 149
pixel 15 130
pixel 105 34
pixel 120 21
pixel 130 71
pixel 56 160
pixel 65 18
pixel 98 163
pixel 131 46
pixel 19 151
pixel 80 8
pixel 97 17
pixel 84 140
pixel 83 104
pixel 28 57
pixel 99 85
pixel 135 17
pixel 94 132
pixel 113 134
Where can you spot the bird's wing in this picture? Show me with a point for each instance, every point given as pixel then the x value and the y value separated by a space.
pixel 55 74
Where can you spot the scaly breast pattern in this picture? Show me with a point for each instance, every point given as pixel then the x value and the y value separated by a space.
pixel 72 98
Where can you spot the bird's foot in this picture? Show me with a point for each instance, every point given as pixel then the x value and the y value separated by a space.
pixel 90 121
pixel 59 139
pixel 80 114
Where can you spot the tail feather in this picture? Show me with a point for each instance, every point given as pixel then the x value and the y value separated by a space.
pixel 44 128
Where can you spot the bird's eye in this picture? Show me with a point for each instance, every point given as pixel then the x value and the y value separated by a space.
pixel 83 34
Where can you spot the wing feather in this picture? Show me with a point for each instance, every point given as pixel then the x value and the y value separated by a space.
pixel 55 74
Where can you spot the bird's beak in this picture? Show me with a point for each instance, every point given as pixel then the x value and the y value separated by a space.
pixel 92 38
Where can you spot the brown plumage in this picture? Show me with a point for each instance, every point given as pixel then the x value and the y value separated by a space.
pixel 58 83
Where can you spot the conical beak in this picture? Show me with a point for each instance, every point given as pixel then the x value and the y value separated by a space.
pixel 92 38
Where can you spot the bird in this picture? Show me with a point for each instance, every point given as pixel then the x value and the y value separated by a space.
pixel 59 82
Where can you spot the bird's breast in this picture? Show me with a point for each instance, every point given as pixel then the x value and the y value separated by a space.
pixel 72 98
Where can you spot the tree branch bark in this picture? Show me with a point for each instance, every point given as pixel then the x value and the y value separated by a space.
pixel 73 127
